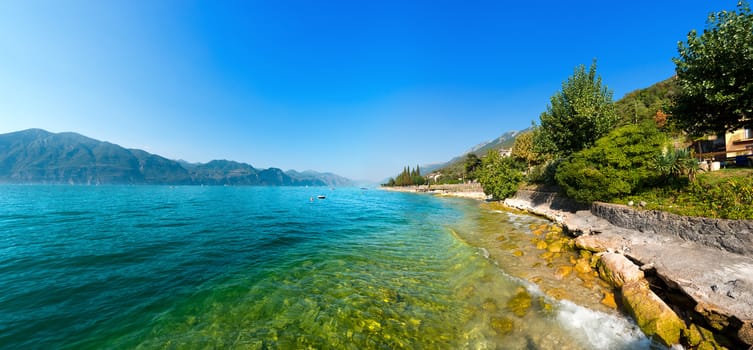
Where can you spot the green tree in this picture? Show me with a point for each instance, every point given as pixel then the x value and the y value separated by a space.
pixel 578 115
pixel 523 149
pixel 619 164
pixel 499 176
pixel 715 75
pixel 472 163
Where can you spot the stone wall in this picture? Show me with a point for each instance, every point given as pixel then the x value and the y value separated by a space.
pixel 735 236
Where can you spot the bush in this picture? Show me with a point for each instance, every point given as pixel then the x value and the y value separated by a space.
pixel 725 194
pixel 543 174
pixel 499 176
pixel 732 199
pixel 619 164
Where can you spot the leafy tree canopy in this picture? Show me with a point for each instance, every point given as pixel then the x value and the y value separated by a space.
pixel 578 115
pixel 523 149
pixel 618 164
pixel 715 74
pixel 472 163
pixel 499 176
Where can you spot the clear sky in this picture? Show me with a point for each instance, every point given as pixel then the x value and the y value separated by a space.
pixel 359 88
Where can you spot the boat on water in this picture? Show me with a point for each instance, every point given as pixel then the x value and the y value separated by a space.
pixel 321 196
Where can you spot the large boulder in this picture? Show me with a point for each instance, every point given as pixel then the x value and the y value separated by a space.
pixel 599 243
pixel 654 317
pixel 618 270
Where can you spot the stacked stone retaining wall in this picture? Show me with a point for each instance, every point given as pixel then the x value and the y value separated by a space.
pixel 735 236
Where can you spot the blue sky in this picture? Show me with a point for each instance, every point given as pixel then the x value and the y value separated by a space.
pixel 359 88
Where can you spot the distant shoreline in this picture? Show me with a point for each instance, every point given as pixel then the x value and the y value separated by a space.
pixel 471 191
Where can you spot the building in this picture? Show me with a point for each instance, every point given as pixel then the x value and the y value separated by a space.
pixel 734 147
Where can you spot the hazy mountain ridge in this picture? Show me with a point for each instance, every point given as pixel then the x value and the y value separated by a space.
pixel 505 140
pixel 39 156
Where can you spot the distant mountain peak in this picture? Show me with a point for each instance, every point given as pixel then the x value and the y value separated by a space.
pixel 39 156
pixel 503 141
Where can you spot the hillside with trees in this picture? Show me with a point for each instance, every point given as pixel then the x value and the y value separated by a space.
pixel 651 103
pixel 594 149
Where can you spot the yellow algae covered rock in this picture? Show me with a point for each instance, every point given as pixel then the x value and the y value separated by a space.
pixel 501 325
pixel 653 316
pixel 518 253
pixel 583 266
pixel 585 254
pixel 520 303
pixel 562 272
pixel 541 245
pixel 548 256
pixel 609 301
pixel 557 293
pixel 618 270
pixel 554 247
pixel 700 338
pixel 573 260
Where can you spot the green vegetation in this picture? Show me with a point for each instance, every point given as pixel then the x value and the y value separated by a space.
pixel 715 75
pixel 460 169
pixel 727 194
pixel 472 164
pixel 407 177
pixel 635 150
pixel 651 103
pixel 619 164
pixel 577 116
pixel 675 163
pixel 499 176
pixel 523 149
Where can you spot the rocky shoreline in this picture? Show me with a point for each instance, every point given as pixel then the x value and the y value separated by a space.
pixel 685 281
pixel 680 288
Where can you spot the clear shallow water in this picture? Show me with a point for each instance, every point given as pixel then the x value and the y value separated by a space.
pixel 256 268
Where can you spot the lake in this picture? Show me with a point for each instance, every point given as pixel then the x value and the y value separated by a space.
pixel 145 267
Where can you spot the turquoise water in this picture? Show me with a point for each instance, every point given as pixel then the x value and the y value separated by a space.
pixel 122 267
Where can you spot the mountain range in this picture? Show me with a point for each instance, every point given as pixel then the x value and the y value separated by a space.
pixel 39 156
pixel 505 140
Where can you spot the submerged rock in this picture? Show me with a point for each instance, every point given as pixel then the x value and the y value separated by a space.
pixel 609 301
pixel 489 305
pixel 653 316
pixel 501 325
pixel 520 303
pixel 541 245
pixel 562 272
pixel 583 265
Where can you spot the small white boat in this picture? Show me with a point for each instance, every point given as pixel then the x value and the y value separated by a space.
pixel 321 196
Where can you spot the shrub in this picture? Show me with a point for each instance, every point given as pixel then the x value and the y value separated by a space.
pixel 499 176
pixel 731 199
pixel 619 164
pixel 543 174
